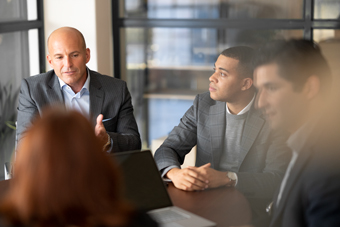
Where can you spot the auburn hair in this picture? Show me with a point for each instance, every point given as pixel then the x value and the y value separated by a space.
pixel 62 176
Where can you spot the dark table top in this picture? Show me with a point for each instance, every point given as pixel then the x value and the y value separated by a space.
pixel 226 206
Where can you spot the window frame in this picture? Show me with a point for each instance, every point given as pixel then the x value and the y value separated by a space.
pixel 307 24
pixel 15 26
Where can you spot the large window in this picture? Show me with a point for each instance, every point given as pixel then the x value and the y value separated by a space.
pixel 166 49
pixel 21 55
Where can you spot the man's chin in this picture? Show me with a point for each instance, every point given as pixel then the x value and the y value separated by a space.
pixel 214 97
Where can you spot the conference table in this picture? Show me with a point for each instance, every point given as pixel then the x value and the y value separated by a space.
pixel 225 206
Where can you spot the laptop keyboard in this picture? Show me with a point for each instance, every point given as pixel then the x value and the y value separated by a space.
pixel 165 216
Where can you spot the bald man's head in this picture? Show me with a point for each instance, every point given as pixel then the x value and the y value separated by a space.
pixel 69 32
pixel 68 56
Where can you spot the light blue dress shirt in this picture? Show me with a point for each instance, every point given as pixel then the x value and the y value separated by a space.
pixel 77 101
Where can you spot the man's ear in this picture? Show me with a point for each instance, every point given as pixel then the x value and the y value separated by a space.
pixel 49 60
pixel 88 55
pixel 312 87
pixel 247 83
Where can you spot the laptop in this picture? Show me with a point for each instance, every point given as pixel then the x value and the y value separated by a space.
pixel 144 187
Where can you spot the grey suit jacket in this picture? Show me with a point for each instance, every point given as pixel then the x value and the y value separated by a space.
pixel 264 153
pixel 108 96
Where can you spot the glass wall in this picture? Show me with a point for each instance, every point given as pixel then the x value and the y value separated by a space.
pixel 18 10
pixel 19 58
pixel 329 38
pixel 329 42
pixel 213 9
pixel 168 47
pixel 326 9
pixel 167 67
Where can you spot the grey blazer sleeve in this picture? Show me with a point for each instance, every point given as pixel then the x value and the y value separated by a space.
pixel 179 142
pixel 124 134
pixel 27 109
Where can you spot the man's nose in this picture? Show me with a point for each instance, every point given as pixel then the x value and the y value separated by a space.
pixel 261 100
pixel 213 78
pixel 67 62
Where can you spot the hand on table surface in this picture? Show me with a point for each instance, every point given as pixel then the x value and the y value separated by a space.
pixel 197 178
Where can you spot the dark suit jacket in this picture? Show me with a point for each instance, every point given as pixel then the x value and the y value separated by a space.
pixel 311 196
pixel 264 155
pixel 108 96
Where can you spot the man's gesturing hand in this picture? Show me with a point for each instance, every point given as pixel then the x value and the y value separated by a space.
pixel 100 130
pixel 188 179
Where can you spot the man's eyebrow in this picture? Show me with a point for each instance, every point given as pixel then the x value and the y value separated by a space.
pixel 266 84
pixel 269 84
pixel 221 68
pixel 58 54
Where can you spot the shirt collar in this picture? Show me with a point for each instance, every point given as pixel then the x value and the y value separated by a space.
pixel 299 138
pixel 86 85
pixel 245 109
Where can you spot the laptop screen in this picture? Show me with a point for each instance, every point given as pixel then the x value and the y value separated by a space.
pixel 143 185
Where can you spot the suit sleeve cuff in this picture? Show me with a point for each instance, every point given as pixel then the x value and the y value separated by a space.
pixel 167 169
pixel 235 176
pixel 111 146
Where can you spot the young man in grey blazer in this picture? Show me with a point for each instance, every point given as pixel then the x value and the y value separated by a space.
pixel 105 100
pixel 235 146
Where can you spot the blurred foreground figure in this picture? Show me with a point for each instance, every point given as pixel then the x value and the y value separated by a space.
pixel 63 178
pixel 293 80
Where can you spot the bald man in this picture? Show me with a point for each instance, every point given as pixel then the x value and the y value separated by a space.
pixel 104 100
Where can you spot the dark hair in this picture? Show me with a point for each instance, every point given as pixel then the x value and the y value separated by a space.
pixel 297 59
pixel 245 55
pixel 62 176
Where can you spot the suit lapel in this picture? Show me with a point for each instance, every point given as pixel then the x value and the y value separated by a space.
pixel 252 127
pixel 96 98
pixel 55 94
pixel 217 123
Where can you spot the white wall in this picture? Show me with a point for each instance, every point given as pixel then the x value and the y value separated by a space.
pixel 81 14
pixel 104 37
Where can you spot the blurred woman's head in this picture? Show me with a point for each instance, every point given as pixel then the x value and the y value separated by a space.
pixel 62 176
